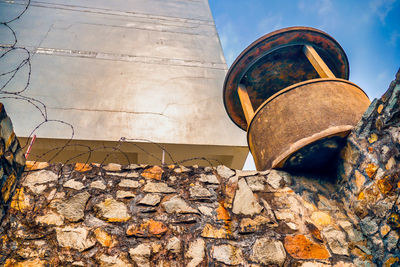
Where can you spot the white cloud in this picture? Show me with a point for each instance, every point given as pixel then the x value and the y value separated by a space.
pixel 381 8
pixel 270 23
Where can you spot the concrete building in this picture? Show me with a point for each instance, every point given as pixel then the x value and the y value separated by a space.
pixel 143 70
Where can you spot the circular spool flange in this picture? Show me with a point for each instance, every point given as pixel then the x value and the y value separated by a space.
pixel 276 61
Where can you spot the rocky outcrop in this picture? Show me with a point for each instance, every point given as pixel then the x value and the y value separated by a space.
pixel 369 177
pixel 115 215
pixel 12 161
pixel 173 218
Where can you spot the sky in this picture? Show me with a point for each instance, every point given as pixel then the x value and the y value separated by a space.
pixel 367 30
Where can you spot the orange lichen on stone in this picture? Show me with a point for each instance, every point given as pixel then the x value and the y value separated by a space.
pixel 28 263
pixel 222 213
pixel 34 165
pixel 213 232
pixel 314 231
pixel 147 229
pixel 153 173
pixel 103 237
pixel 321 218
pixel 384 185
pixel 300 247
pixel 6 190
pixel 393 261
pixel 20 202
pixel 373 138
pixel 380 108
pixel 82 167
pixel 230 190
pixel 371 169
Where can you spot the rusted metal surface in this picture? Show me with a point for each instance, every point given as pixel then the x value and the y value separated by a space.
pixel 276 61
pixel 295 118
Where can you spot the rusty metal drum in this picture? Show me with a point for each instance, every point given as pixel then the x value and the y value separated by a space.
pixel 286 124
pixel 289 89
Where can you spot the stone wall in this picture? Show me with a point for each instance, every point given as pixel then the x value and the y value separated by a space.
pixel 369 176
pixel 84 215
pixel 12 161
pixel 139 215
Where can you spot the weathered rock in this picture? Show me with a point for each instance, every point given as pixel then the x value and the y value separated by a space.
pixel 36 181
pixel 207 211
pixel 392 240
pixel 73 209
pixel 124 174
pixel 104 238
pixel 82 167
pixel 199 192
pixel 35 165
pixel 129 183
pixel 124 194
pixel 181 169
pixel 98 185
pixel 157 188
pixel 113 261
pixel 141 255
pixel 20 200
pixel 321 218
pixel 369 226
pixel 224 171
pixel 153 173
pixel 150 200
pixel 210 179
pixel 177 205
pixel 74 184
pixel 149 228
pixel 267 251
pixel 249 225
pixel 196 252
pixel 256 183
pixel 74 237
pixel 336 241
pixel 274 179
pixel 112 211
pixel 300 247
pixel 210 231
pixel 174 245
pixel 112 167
pixel 227 254
pixel 50 218
pixel 245 202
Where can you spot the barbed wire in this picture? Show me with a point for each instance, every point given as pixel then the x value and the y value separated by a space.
pixel 51 154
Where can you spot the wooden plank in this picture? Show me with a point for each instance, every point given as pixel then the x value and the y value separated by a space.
pixel 246 103
pixel 319 65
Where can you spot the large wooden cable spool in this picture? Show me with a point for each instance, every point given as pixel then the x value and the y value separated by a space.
pixel 290 91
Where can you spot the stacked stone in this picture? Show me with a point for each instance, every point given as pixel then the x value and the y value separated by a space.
pixel 138 215
pixel 12 161
pixel 369 177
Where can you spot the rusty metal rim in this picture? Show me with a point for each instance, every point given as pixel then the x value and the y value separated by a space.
pixel 292 87
pixel 229 79
pixel 342 131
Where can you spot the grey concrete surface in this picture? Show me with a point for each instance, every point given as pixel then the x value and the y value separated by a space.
pixel 149 69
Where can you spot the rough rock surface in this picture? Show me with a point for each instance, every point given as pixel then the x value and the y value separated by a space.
pixel 205 216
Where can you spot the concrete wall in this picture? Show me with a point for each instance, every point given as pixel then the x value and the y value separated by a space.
pixel 139 69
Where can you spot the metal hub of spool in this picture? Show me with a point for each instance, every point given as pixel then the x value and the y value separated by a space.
pixel 289 90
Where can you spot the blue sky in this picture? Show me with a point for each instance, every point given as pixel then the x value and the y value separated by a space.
pixel 368 31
